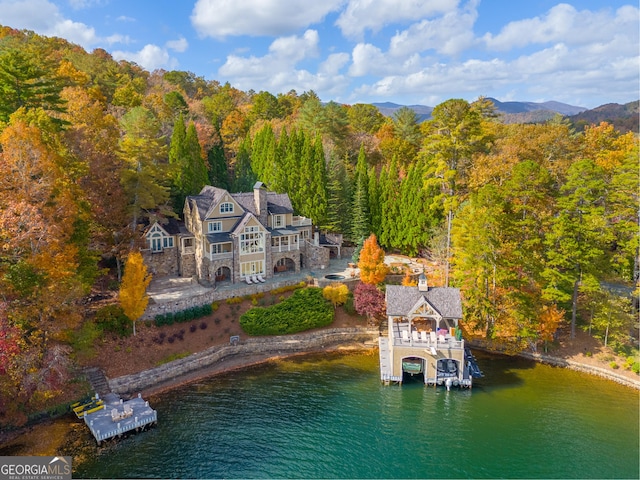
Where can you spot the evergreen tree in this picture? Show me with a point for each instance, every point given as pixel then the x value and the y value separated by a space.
pixel 361 224
pixel 218 173
pixel 575 244
pixel 195 162
pixel 389 205
pixel 243 176
pixel 143 150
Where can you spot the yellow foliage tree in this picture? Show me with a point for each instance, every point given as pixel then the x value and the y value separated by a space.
pixel 336 293
pixel 371 263
pixel 136 279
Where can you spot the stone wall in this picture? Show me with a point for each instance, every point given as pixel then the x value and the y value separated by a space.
pixel 271 346
pixel 214 296
pixel 316 256
pixel 162 263
pixel 188 265
pixel 581 367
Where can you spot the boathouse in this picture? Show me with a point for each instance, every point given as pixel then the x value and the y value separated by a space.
pixel 424 340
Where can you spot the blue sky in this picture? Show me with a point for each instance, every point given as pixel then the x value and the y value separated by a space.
pixel 583 52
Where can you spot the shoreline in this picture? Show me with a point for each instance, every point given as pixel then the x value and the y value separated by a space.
pixel 233 363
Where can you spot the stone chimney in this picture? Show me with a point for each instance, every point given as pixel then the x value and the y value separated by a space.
pixel 260 200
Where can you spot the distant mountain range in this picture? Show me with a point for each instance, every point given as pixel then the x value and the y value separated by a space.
pixel 623 117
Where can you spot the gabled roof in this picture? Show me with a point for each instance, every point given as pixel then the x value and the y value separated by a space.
pixel 445 300
pixel 170 227
pixel 239 227
pixel 209 197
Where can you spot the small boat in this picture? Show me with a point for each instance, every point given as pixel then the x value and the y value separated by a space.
pixel 412 366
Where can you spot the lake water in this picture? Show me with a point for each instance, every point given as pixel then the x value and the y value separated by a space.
pixel 330 417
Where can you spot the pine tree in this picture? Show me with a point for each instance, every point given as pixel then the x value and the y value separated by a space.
pixel 576 242
pixel 193 158
pixel 218 173
pixel 143 151
pixel 361 224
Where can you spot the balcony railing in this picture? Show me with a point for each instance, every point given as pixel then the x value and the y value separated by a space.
pixel 301 222
pixel 402 337
pixel 220 256
pixel 284 248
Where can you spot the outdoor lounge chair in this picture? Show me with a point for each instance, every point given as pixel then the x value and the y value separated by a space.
pixel 432 336
pixel 405 336
pixel 415 336
pixel 261 279
pixel 254 279
pixel 423 336
pixel 248 280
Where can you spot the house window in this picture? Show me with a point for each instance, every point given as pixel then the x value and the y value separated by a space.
pixel 252 268
pixel 187 243
pixel 215 226
pixel 251 241
pixel 167 242
pixel 278 221
pixel 216 248
pixel 156 242
pixel 226 207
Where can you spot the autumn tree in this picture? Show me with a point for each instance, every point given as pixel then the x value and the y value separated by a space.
pixel 133 296
pixel 373 270
pixel 336 293
pixel 369 301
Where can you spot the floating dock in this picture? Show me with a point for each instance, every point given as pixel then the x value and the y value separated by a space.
pixel 119 417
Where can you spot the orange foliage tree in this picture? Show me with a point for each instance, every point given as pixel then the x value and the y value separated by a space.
pixel 371 263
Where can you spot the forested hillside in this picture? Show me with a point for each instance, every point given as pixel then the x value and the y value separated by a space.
pixel 527 220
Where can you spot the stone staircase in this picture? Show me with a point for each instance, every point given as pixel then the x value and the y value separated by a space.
pixel 96 377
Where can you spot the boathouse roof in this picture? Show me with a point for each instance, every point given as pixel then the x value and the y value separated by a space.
pixel 445 300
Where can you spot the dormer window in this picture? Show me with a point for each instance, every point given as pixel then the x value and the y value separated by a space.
pixel 226 207
pixel 278 221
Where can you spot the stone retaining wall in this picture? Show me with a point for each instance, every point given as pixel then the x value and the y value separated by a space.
pixel 214 296
pixel 281 345
pixel 581 367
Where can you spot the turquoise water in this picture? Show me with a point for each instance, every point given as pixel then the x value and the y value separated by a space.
pixel 322 417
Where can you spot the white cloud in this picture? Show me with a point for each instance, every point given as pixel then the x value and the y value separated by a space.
pixel 563 23
pixel 124 18
pixel 277 70
pixel 44 17
pixel 361 15
pixel 150 57
pixel 179 45
pixel 80 4
pixel 333 64
pixel 221 18
pixel 449 35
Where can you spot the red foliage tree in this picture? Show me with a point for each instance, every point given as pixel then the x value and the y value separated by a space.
pixel 369 301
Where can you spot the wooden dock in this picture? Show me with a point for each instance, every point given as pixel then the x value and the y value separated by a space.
pixel 119 417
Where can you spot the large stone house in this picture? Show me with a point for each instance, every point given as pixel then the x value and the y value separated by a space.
pixel 234 237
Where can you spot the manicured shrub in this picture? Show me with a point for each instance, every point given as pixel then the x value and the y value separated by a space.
pixel 193 328
pixel 111 318
pixel 233 300
pixel 203 326
pixel 304 310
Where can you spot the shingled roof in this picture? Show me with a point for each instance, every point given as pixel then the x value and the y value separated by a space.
pixel 445 300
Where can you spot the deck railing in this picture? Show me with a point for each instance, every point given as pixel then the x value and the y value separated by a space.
pixel 441 342
pixel 285 248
